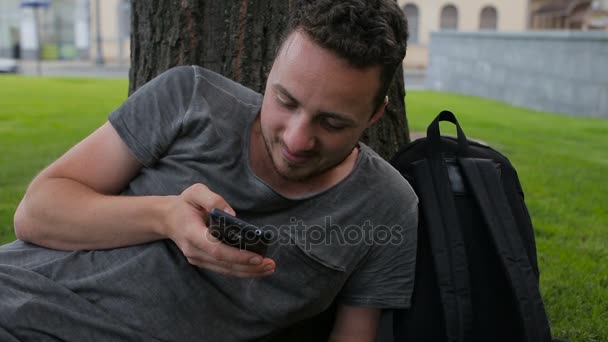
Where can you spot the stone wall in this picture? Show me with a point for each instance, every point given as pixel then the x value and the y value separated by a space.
pixel 555 71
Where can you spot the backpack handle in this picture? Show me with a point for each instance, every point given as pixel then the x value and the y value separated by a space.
pixel 433 134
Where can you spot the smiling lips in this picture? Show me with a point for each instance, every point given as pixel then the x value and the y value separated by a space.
pixel 296 158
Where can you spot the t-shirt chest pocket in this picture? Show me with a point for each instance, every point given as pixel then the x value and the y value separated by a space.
pixel 323 265
pixel 317 266
pixel 307 279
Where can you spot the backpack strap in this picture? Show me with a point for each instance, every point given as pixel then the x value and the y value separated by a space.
pixel 434 136
pixel 447 246
pixel 485 184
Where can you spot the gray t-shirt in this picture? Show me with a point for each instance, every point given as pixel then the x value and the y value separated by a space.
pixel 355 241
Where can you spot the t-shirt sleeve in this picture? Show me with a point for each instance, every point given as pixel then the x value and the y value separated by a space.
pixel 385 277
pixel 151 118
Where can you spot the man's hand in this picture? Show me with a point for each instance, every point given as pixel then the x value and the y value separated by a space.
pixel 187 226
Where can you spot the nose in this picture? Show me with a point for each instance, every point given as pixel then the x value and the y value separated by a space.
pixel 299 136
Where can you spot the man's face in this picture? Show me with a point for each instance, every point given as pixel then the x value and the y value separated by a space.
pixel 315 108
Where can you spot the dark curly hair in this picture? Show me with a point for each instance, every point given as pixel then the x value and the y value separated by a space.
pixel 365 33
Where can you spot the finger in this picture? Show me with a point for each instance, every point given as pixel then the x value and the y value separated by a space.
pixel 202 196
pixel 231 269
pixel 208 249
pixel 201 259
pixel 235 273
pixel 219 251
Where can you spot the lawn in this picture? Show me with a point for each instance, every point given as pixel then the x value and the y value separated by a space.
pixel 560 160
pixel 40 118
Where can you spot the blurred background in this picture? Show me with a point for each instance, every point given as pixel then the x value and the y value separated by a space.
pixel 98 31
pixel 547 55
pixel 69 29
pixel 426 16
pixel 67 35
pixel 542 54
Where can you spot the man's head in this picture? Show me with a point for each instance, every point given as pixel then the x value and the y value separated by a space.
pixel 328 84
pixel 365 33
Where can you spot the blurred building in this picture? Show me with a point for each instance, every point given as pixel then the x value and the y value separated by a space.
pixel 569 14
pixel 67 30
pixel 115 29
pixel 426 16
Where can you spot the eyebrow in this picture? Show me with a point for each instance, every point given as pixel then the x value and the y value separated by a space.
pixel 342 117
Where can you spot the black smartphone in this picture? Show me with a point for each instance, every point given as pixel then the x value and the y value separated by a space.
pixel 238 233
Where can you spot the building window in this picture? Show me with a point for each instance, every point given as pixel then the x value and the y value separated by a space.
pixel 488 18
pixel 411 12
pixel 449 18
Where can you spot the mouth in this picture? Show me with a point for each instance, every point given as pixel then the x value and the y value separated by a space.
pixel 296 158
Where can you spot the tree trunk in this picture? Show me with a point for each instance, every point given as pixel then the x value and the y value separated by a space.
pixel 238 39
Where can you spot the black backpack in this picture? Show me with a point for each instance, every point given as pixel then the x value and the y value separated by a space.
pixel 477 276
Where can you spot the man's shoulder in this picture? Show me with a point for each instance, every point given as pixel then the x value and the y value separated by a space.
pixel 211 79
pixel 380 174
pixel 374 164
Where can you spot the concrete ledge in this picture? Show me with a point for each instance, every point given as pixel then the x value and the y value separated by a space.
pixel 528 35
pixel 562 72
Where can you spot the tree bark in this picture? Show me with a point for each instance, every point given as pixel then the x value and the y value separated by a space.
pixel 238 39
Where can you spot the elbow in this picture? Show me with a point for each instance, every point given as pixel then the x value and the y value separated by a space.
pixel 22 223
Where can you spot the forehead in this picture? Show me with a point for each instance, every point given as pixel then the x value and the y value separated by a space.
pixel 319 78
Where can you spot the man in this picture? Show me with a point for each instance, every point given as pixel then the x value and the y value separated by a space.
pixel 123 214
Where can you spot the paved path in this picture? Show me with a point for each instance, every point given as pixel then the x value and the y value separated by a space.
pixel 75 69
pixel 414 78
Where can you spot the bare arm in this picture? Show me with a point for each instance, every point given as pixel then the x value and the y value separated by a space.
pixel 73 205
pixel 70 204
pixel 355 324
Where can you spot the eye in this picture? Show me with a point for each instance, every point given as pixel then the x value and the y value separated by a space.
pixel 332 124
pixel 285 102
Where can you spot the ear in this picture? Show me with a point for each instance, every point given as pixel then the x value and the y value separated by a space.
pixel 379 111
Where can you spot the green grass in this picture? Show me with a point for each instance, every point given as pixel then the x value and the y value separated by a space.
pixel 560 160
pixel 562 163
pixel 40 118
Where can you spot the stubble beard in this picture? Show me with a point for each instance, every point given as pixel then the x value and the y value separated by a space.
pixel 268 142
